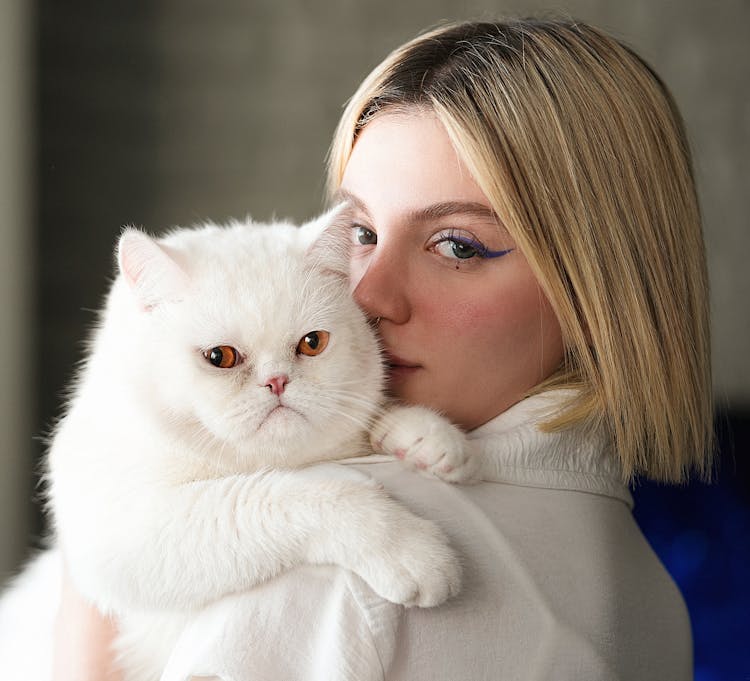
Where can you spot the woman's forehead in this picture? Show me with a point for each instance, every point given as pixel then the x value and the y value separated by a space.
pixel 407 160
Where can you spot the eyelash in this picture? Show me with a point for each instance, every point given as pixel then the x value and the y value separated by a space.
pixel 452 236
pixel 455 237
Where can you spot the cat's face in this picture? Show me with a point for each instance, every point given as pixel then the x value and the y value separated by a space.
pixel 259 340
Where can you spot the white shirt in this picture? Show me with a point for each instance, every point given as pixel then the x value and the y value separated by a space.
pixel 559 583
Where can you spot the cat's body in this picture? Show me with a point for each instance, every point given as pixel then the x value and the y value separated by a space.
pixel 226 359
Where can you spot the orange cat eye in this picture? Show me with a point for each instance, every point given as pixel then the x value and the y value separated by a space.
pixel 223 356
pixel 313 343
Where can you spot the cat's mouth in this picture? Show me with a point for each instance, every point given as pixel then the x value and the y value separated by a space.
pixel 280 411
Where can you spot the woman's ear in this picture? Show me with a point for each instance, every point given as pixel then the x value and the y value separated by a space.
pixel 152 275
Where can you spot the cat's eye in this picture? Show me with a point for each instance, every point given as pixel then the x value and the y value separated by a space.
pixel 313 343
pixel 223 356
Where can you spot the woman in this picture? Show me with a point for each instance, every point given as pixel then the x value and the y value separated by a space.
pixel 528 240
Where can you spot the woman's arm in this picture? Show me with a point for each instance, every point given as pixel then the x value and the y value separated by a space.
pixel 83 640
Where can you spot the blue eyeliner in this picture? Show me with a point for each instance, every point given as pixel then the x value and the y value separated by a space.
pixel 497 254
pixel 481 250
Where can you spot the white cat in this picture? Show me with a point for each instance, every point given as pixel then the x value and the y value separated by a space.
pixel 226 359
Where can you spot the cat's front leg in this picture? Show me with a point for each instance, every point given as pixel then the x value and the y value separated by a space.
pixel 185 546
pixel 426 441
pixel 404 558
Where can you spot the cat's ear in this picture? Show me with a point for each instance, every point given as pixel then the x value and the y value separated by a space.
pixel 328 240
pixel 152 275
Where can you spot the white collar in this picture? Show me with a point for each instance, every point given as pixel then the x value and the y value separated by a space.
pixel 517 452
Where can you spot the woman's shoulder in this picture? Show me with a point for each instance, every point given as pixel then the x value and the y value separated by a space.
pixel 552 575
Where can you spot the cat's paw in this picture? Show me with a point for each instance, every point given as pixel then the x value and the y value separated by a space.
pixel 411 564
pixel 426 441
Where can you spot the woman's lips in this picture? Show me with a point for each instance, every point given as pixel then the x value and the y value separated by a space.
pixel 398 367
pixel 395 360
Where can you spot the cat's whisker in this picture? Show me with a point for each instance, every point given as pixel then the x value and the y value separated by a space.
pixel 345 402
pixel 334 410
pixel 377 408
pixel 346 397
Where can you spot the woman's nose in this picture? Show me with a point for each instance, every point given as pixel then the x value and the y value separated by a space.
pixel 382 288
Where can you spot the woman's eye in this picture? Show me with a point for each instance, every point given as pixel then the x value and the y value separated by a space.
pixel 457 249
pixel 458 245
pixel 364 236
pixel 223 356
pixel 313 343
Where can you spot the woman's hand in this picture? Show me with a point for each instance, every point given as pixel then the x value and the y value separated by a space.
pixel 83 640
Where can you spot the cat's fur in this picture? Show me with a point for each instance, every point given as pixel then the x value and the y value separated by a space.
pixel 173 482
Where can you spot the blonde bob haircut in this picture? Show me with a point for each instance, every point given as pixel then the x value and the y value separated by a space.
pixel 580 150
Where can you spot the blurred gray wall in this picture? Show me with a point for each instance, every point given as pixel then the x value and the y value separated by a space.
pixel 16 343
pixel 172 112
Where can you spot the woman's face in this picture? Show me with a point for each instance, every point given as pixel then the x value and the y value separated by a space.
pixel 466 328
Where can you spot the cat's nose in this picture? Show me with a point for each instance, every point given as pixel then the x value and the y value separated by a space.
pixel 277 383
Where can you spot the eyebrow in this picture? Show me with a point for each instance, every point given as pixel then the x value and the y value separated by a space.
pixel 434 211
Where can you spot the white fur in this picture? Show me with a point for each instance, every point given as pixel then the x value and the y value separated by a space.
pixel 425 441
pixel 171 483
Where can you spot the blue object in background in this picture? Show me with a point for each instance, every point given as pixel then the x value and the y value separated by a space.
pixel 702 535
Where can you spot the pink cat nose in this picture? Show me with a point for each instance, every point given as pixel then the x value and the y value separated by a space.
pixel 277 383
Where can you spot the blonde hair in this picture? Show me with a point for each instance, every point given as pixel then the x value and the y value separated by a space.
pixel 580 149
